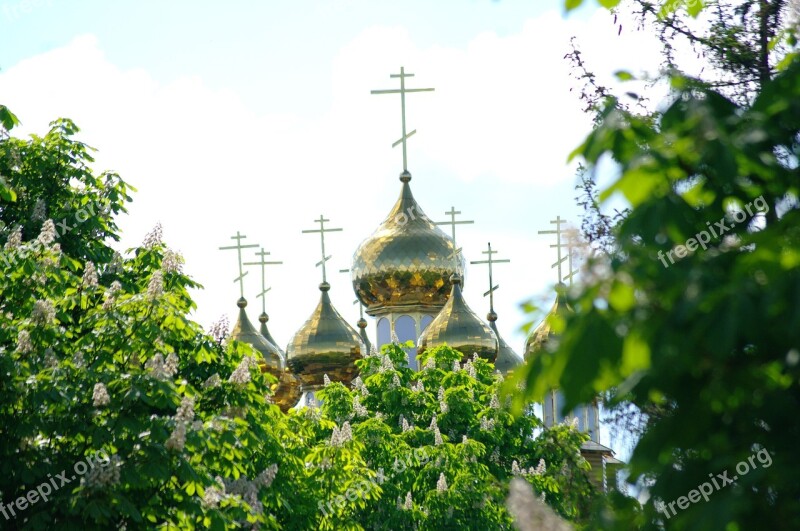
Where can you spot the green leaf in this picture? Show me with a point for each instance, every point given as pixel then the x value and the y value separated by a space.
pixel 623 75
pixel 572 4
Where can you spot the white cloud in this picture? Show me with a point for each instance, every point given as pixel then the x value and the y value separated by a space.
pixel 205 165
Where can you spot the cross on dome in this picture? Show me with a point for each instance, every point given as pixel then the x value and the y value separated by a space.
pixel 322 230
pixel 239 237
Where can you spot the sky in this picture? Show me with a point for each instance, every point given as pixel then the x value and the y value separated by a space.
pixel 257 117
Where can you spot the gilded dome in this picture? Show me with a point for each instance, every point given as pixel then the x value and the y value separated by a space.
pixel 406 263
pixel 325 344
pixel 507 359
pixel 263 318
pixel 245 332
pixel 537 339
pixel 460 328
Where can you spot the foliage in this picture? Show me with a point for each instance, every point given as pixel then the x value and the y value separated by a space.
pixel 707 333
pixel 152 422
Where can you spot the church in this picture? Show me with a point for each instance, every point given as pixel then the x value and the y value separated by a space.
pixel 407 275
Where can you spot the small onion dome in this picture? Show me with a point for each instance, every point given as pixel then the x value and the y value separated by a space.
pixel 406 264
pixel 460 328
pixel 287 391
pixel 544 332
pixel 362 325
pixel 245 332
pixel 325 344
pixel 263 318
pixel 507 359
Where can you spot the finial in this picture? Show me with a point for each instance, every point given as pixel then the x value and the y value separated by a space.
pixel 262 254
pixel 322 230
pixel 453 213
pixel 362 323
pixel 558 231
pixel 492 287
pixel 324 286
pixel 239 247
pixel 491 316
pixel 241 303
pixel 455 279
pixel 405 176
pixel 263 318
pixel 402 91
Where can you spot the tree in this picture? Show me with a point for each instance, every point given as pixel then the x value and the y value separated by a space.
pixel 696 311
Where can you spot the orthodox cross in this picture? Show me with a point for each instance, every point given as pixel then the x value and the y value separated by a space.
pixel 262 254
pixel 239 247
pixel 453 213
pixel 322 230
pixel 490 261
pixel 558 231
pixel 403 90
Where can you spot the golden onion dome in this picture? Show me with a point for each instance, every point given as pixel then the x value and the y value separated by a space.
pixel 460 328
pixel 540 335
pixel 288 390
pixel 245 332
pixel 325 344
pixel 406 264
pixel 263 318
pixel 507 359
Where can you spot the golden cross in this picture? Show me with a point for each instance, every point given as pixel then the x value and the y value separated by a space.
pixel 322 230
pixel 403 90
pixel 490 261
pixel 239 247
pixel 453 213
pixel 558 231
pixel 263 263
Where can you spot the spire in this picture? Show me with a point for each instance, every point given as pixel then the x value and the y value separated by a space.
pixel 402 91
pixel 507 359
pixel 322 230
pixel 239 247
pixel 559 245
pixel 453 213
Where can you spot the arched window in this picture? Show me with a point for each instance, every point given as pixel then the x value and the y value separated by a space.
pixel 424 322
pixel 406 330
pixel 384 332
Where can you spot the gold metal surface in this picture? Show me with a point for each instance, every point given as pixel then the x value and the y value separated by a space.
pixel 325 344
pixel 407 262
pixel 537 340
pixel 507 359
pixel 460 328
pixel 245 332
pixel 287 391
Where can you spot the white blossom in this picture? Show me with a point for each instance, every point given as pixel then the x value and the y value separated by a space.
pixel 456 366
pixel 154 237
pixel 14 239
pixel 219 330
pixel 396 381
pixel 103 475
pixel 380 477
pixel 43 312
pixel 185 412
pixel 441 485
pixel 418 387
pixel 111 295
pixel 48 233
pixel 409 502
pixel 495 457
pixel 100 395
pixel 430 363
pixel 212 381
pixel 39 210
pixel 515 468
pixel 464 439
pixel 325 380
pixel 405 425
pixel 172 262
pixel 443 407
pixel 437 437
pixel 386 364
pixel 494 403
pixel 24 344
pixel 89 275
pixel 541 468
pixel 241 374
pixel 212 496
pixel 341 436
pixel 159 369
pixel 395 339
pixel 487 424
pixel 434 425
pixel 358 409
pixel 470 369
pixel 155 288
pixel 177 440
pixel 266 477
